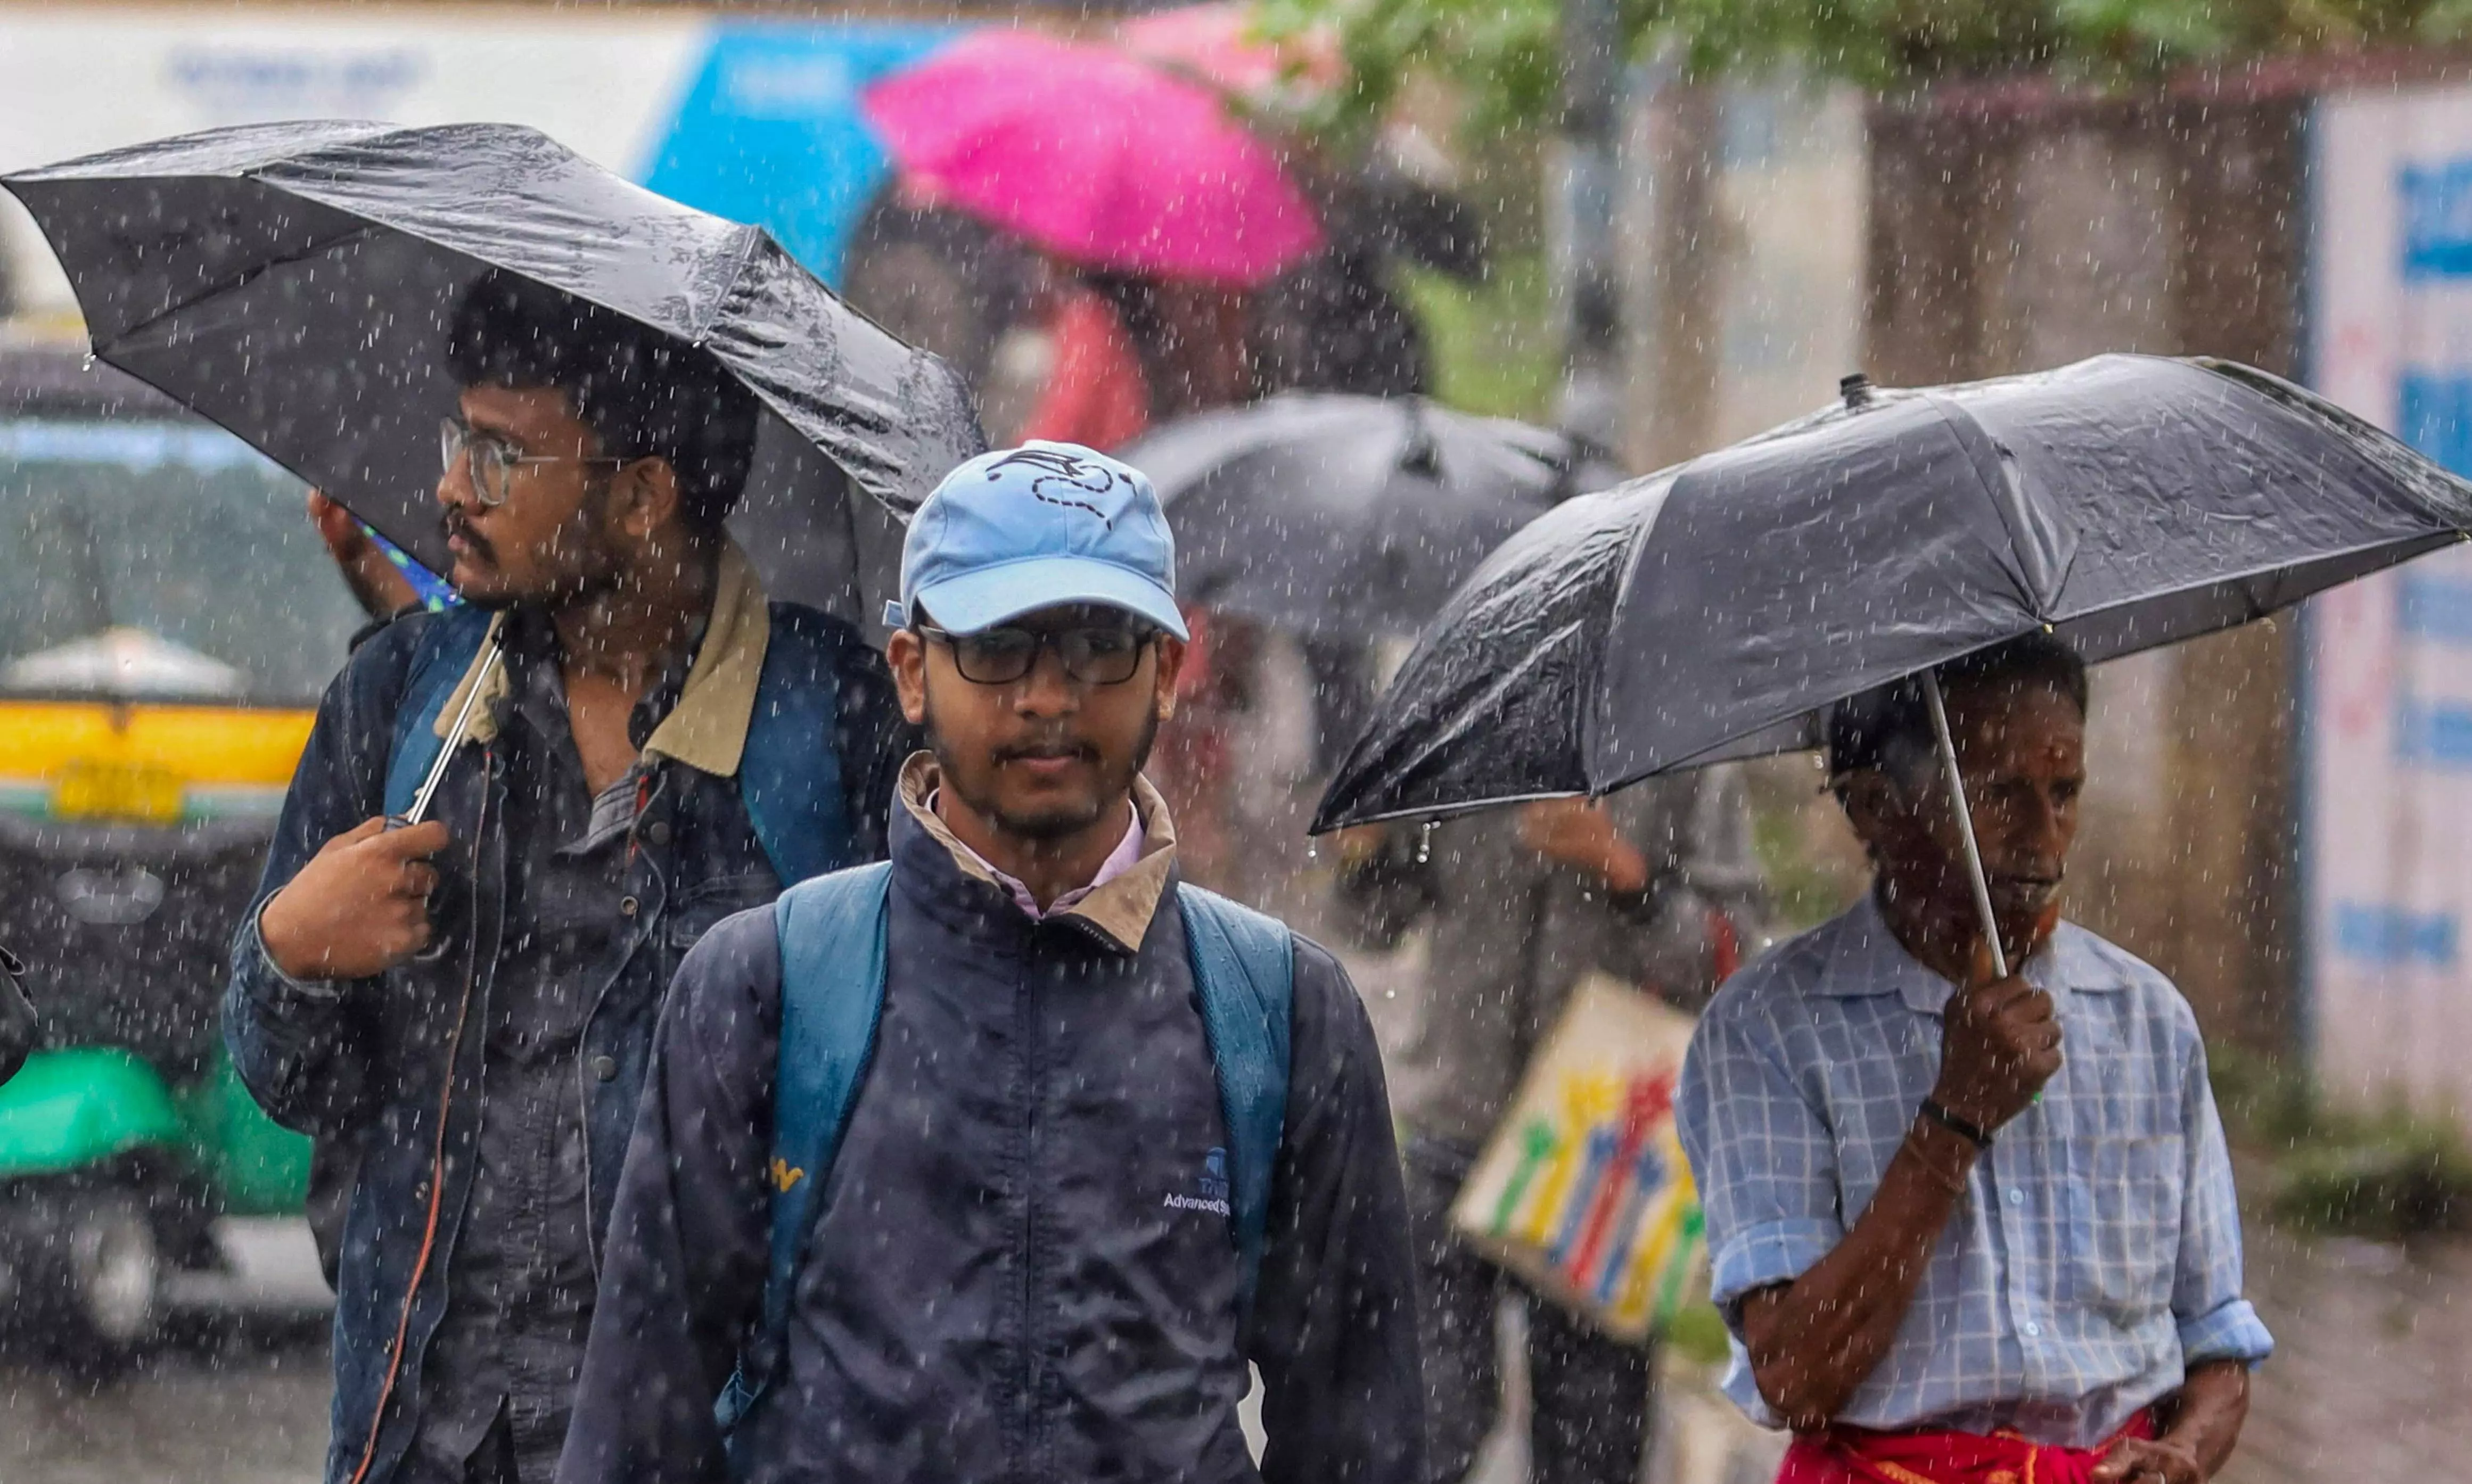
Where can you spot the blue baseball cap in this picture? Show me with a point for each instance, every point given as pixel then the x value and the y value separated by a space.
pixel 1023 529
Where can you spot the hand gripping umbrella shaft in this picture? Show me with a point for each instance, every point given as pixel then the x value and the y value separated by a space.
pixel 1964 824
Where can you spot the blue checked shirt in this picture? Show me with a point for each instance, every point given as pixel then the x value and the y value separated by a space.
pixel 2096 1251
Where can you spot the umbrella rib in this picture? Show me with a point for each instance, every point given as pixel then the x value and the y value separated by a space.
pixel 2007 503
pixel 749 239
pixel 234 284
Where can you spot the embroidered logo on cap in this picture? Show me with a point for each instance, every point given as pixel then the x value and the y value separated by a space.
pixel 1066 469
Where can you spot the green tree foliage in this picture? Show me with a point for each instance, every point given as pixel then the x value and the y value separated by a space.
pixel 1502 54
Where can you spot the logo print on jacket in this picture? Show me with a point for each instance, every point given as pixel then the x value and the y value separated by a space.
pixel 1213 1186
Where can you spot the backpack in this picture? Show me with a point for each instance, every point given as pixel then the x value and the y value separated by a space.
pixel 790 785
pixel 832 933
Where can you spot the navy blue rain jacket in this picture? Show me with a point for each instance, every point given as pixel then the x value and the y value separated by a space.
pixel 1024 1268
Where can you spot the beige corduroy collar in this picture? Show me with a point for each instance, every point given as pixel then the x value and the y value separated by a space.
pixel 706 730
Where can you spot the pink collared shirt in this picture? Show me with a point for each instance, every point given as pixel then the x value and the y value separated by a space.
pixel 1124 857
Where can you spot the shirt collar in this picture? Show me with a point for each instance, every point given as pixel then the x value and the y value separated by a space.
pixel 1866 959
pixel 1127 852
pixel 1119 902
pixel 706 730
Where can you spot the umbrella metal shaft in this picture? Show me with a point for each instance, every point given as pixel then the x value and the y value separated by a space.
pixel 1974 875
pixel 419 809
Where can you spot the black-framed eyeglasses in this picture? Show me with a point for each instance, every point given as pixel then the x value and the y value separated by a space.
pixel 1094 654
pixel 491 460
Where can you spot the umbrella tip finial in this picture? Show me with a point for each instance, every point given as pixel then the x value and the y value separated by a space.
pixel 1855 387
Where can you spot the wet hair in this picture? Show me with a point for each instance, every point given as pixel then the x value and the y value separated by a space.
pixel 1890 728
pixel 643 393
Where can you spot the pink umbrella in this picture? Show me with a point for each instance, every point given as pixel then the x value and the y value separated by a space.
pixel 1094 156
pixel 1221 44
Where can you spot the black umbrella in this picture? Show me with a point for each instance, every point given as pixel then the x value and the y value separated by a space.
pixel 293 282
pixel 1716 609
pixel 1331 513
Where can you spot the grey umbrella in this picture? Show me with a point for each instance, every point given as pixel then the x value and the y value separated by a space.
pixel 292 283
pixel 1326 512
pixel 1716 609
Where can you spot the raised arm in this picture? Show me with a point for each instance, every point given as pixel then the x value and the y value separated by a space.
pixel 297 1018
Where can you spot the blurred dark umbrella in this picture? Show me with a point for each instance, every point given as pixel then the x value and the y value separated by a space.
pixel 1332 513
pixel 1716 609
pixel 293 282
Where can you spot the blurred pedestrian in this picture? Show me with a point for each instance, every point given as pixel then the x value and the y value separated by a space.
pixel 1096 393
pixel 460 1010
pixel 1333 324
pixel 1066 1142
pixel 1966 1228
pixel 1131 349
pixel 1656 886
pixel 377 584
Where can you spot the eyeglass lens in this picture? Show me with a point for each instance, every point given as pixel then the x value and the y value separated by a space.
pixel 1092 656
pixel 487 460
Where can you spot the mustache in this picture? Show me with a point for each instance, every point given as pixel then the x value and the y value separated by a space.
pixel 1046 747
pixel 455 523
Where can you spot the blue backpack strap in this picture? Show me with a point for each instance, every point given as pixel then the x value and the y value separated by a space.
pixel 790 770
pixel 832 936
pixel 1245 969
pixel 446 651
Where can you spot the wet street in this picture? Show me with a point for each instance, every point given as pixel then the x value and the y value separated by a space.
pixel 2375 1341
pixel 236 1394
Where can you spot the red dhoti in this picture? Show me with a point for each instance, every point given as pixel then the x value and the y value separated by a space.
pixel 1853 1455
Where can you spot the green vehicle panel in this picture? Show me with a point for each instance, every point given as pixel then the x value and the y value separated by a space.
pixel 257 1166
pixel 66 1110
pixel 75 1108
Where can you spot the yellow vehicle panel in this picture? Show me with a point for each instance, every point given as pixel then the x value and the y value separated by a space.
pixel 150 763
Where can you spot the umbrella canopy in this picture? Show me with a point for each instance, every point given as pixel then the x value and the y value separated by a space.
pixel 1094 156
pixel 1222 44
pixel 293 282
pixel 1326 512
pixel 1716 609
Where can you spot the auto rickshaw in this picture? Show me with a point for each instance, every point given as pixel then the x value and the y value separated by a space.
pixel 167 621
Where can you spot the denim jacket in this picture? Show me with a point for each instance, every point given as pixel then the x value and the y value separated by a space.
pixel 389 1070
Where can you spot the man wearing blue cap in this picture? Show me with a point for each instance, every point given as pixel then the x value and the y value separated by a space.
pixel 1001 1161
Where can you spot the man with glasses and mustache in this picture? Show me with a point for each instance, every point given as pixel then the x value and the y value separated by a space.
pixel 1003 1159
pixel 461 1008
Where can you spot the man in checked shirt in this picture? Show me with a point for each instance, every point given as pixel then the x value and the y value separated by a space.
pixel 1965 1230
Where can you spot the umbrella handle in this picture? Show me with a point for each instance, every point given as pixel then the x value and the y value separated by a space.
pixel 1964 824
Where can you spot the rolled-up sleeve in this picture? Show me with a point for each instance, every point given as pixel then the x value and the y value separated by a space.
pixel 1760 1152
pixel 2215 1322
